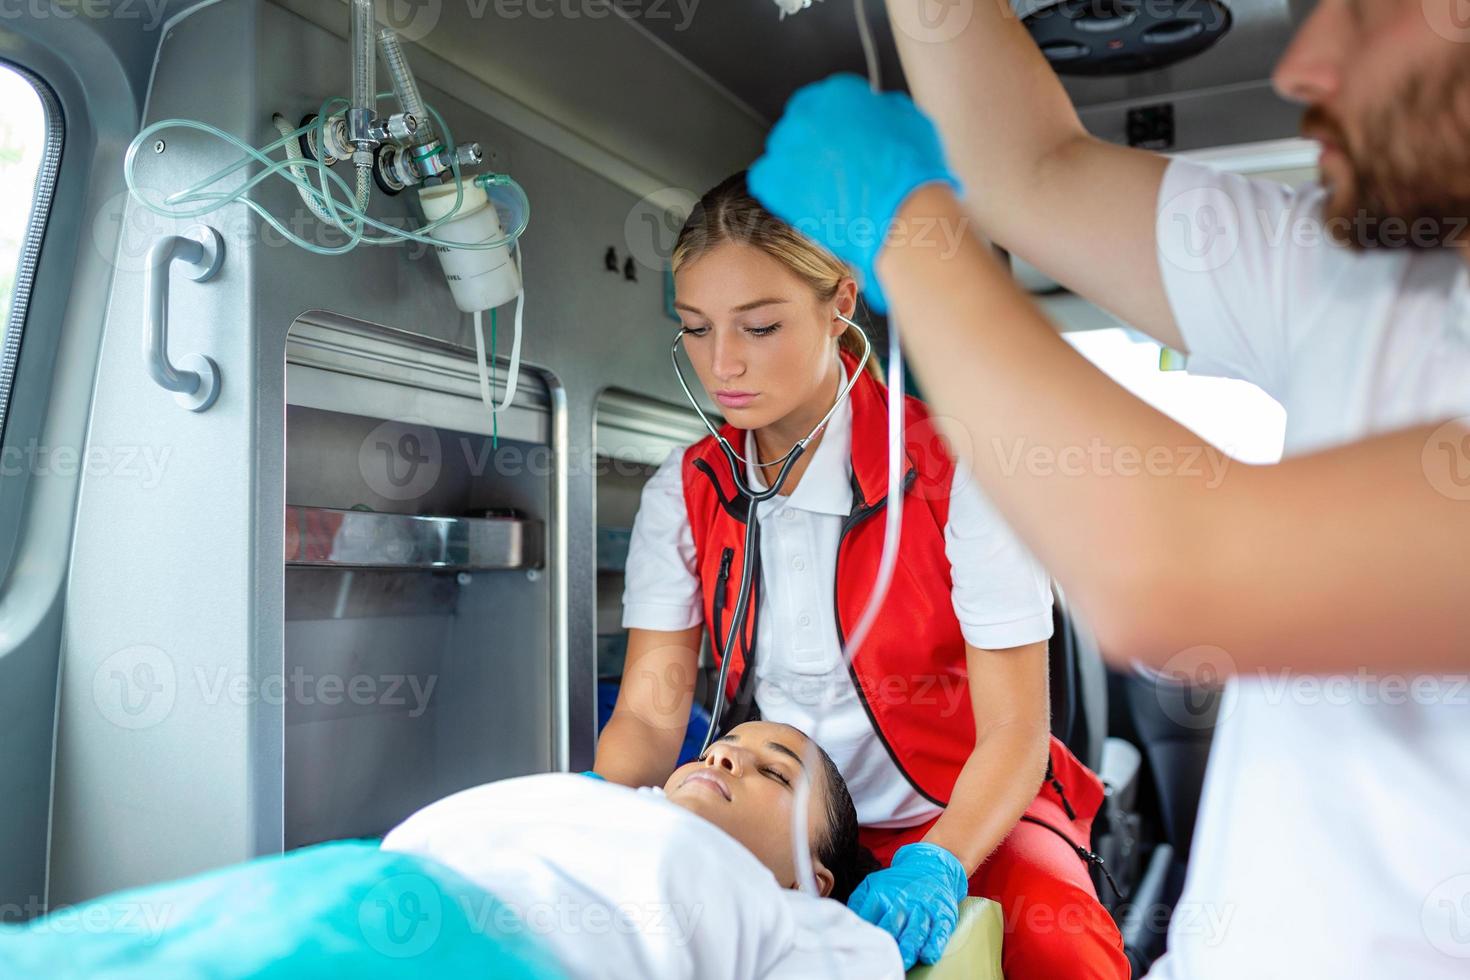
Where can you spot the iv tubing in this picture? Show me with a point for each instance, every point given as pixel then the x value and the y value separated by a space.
pixel 892 530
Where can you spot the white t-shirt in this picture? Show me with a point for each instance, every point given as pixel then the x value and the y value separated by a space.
pixel 622 883
pixel 1001 597
pixel 1333 839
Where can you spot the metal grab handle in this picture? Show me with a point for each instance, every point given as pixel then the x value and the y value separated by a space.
pixel 195 381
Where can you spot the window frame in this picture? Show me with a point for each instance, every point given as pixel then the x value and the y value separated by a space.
pixel 48 172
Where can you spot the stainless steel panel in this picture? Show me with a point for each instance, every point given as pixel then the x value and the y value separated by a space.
pixel 358 593
pixel 406 687
pixel 360 368
pixel 632 428
pixel 362 539
pixel 451 655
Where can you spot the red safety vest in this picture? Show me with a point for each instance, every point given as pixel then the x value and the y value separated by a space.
pixel 910 674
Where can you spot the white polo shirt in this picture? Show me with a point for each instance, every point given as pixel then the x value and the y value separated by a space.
pixel 1333 838
pixel 1001 597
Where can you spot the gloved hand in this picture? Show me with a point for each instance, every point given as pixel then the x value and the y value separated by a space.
pixel 592 775
pixel 916 899
pixel 840 162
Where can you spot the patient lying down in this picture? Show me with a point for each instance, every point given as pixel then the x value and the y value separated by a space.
pixel 695 880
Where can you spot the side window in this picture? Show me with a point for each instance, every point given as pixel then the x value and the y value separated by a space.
pixel 1235 416
pixel 30 151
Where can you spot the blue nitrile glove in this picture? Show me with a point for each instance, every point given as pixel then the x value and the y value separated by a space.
pixel 840 162
pixel 916 899
pixel 592 775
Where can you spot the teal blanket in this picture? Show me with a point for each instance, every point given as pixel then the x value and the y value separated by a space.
pixel 344 909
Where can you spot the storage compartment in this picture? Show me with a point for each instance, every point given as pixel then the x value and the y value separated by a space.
pixel 420 624
pixel 634 436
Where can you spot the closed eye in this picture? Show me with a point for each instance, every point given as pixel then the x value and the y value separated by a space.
pixel 696 331
pixel 763 331
pixel 778 775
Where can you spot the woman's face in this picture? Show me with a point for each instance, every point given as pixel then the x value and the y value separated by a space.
pixel 760 340
pixel 746 786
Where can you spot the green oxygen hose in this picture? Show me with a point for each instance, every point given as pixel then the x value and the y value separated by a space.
pixel 494 416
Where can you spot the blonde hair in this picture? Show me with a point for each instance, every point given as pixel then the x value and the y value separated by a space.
pixel 728 213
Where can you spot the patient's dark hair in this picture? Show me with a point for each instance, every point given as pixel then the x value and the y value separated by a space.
pixel 849 861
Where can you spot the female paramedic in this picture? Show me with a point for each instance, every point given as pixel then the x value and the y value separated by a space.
pixel 941 726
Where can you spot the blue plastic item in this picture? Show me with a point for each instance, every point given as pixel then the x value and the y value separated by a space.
pixel 840 162
pixel 345 909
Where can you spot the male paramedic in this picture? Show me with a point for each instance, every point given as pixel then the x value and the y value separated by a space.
pixel 1331 835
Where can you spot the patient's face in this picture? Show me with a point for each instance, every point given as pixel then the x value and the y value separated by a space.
pixel 746 785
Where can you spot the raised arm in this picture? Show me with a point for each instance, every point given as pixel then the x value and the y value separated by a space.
pixel 1079 209
pixel 1355 557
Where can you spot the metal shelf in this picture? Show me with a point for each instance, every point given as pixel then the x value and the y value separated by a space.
pixel 326 537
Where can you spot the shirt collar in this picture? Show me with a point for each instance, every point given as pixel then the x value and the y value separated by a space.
pixel 826 486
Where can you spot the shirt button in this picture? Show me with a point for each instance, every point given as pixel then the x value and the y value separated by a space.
pixel 798 564
pixel 788 514
pixel 805 620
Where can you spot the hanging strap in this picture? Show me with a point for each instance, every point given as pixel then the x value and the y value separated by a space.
pixel 1087 856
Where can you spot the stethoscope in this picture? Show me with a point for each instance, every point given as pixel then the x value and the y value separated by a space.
pixel 756 497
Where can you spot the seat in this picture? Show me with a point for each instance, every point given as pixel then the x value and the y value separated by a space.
pixel 1080 718
pixel 1175 725
pixel 1079 685
pixel 973 952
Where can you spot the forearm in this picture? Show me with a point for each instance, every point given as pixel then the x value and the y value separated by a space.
pixel 635 753
pixel 1322 563
pixel 998 782
pixel 640 744
pixel 1011 394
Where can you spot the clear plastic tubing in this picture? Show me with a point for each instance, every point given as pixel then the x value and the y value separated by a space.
pixel 364 68
pixel 404 86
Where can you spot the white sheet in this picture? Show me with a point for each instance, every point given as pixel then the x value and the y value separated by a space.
pixel 622 883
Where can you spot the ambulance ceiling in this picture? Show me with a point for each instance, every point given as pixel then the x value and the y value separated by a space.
pixel 741 45
pixel 1222 96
